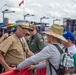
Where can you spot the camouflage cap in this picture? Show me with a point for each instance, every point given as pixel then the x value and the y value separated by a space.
pixel 32 27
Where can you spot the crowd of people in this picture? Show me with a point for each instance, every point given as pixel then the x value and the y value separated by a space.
pixel 26 47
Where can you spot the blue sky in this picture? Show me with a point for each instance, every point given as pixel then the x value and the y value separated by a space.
pixel 54 9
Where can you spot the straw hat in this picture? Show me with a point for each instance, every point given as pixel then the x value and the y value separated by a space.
pixel 56 31
pixel 24 26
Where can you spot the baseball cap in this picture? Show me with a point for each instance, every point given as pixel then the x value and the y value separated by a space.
pixel 69 35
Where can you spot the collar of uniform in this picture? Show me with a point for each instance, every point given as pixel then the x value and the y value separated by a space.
pixel 35 35
pixel 17 35
pixel 17 38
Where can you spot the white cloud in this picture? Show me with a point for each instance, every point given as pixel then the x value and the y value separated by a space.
pixel 40 8
pixel 36 5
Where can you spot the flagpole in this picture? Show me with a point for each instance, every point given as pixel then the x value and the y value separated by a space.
pixel 23 9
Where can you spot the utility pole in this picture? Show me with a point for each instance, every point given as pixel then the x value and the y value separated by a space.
pixel 6 11
pixel 27 15
pixel 41 27
pixel 55 20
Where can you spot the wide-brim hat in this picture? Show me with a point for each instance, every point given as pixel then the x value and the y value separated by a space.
pixel 56 31
pixel 24 26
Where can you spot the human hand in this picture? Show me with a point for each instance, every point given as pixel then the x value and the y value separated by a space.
pixel 9 69
pixel 5 35
pixel 31 67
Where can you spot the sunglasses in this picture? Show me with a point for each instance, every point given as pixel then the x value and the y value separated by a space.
pixel 31 30
pixel 27 34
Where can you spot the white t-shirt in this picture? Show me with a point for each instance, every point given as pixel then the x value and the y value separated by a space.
pixel 72 50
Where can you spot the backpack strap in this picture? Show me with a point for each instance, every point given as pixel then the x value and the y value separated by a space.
pixel 53 68
pixel 60 50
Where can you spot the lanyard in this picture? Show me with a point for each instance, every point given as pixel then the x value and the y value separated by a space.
pixel 20 42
